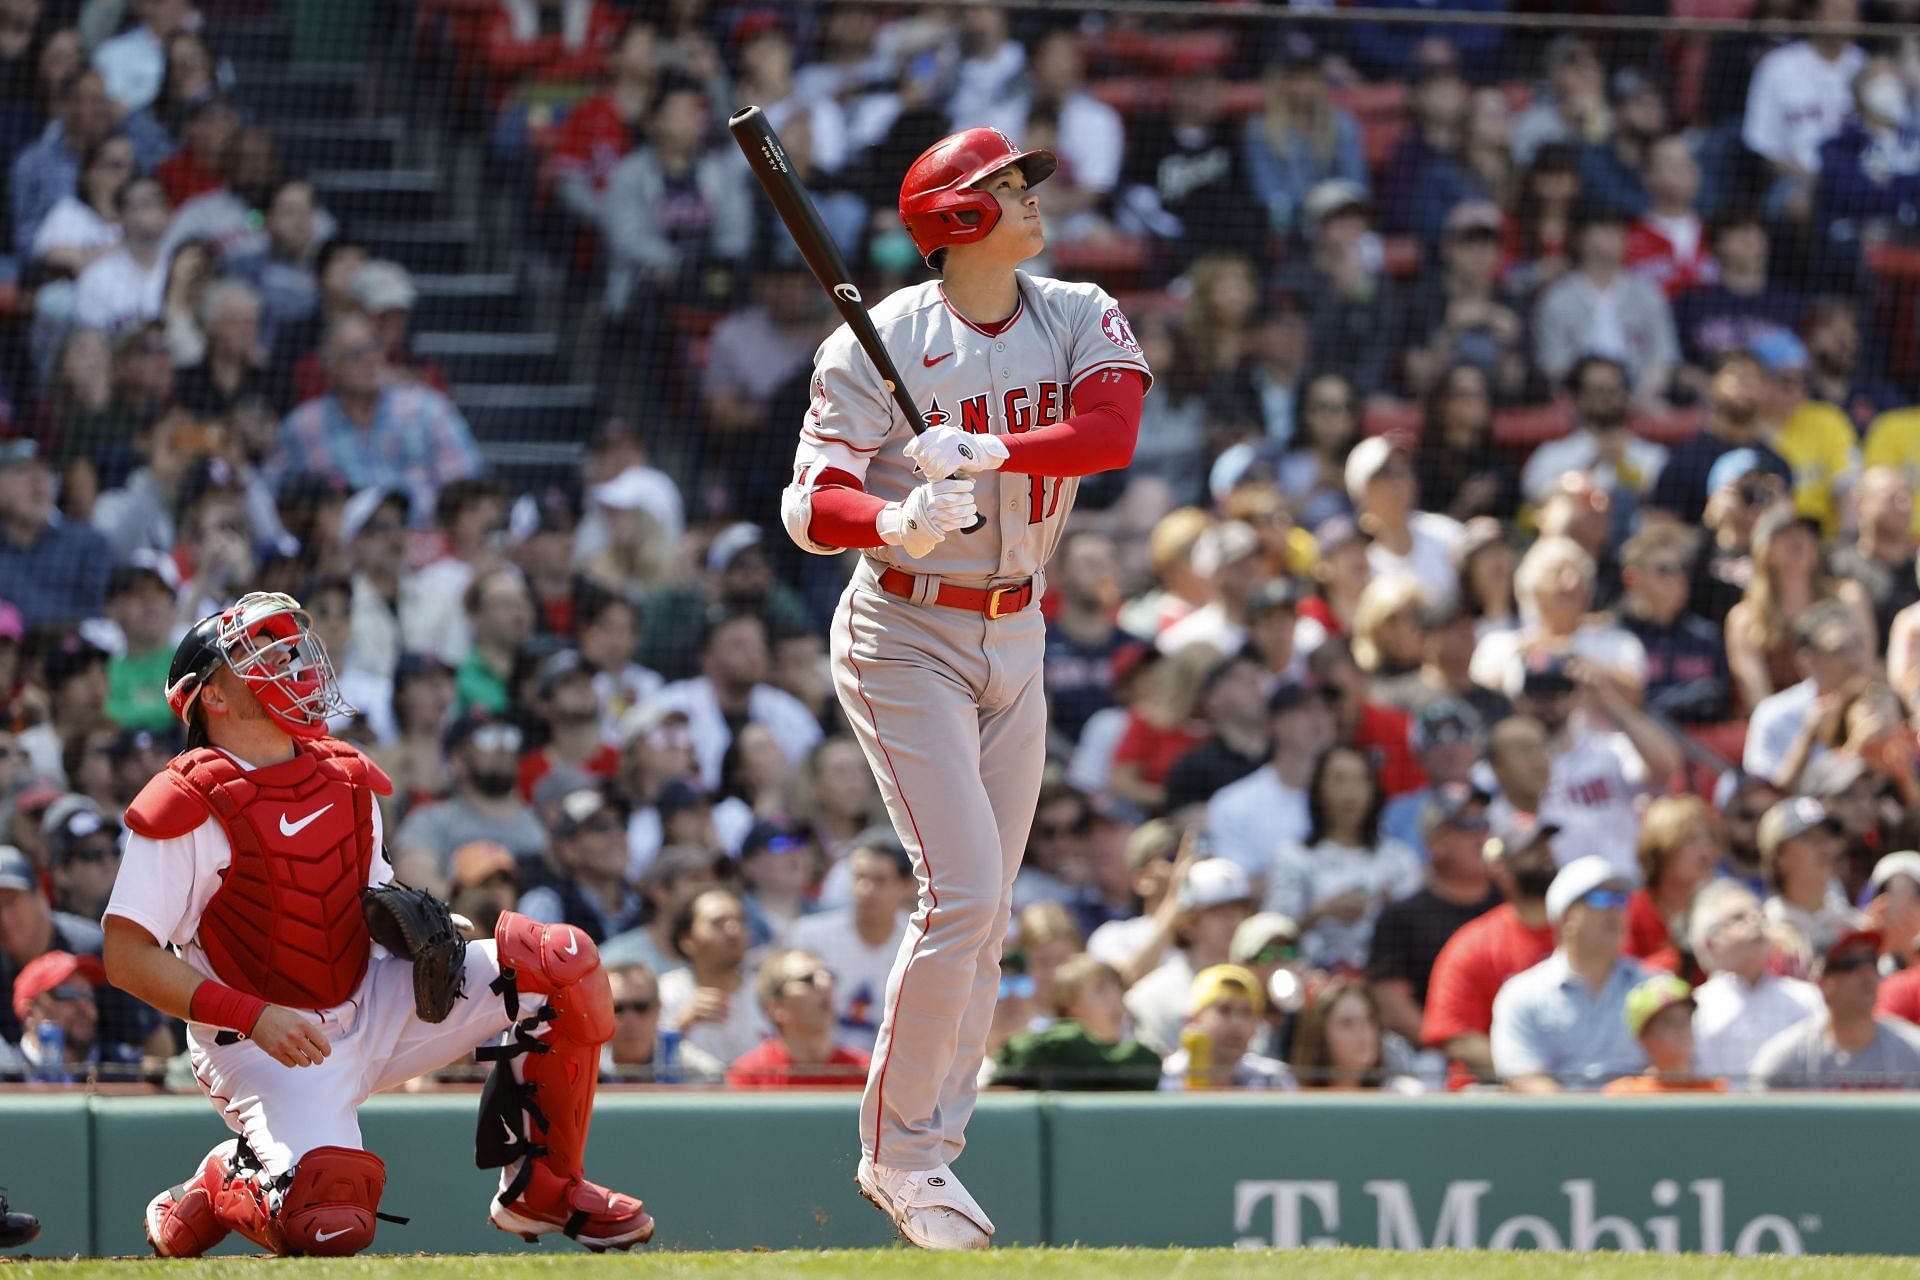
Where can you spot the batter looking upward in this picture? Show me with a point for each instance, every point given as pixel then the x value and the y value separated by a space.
pixel 1026 384
pixel 239 908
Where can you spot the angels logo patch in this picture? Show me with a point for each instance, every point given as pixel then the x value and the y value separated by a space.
pixel 1119 332
pixel 935 416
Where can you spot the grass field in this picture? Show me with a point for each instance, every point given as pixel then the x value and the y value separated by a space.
pixel 1013 1264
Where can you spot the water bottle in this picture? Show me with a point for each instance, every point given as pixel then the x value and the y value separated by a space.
pixel 666 1056
pixel 1199 1047
pixel 51 1042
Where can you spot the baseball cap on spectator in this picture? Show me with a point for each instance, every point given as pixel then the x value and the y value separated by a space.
pixel 70 655
pixel 1444 721
pixel 144 565
pixel 1275 595
pixel 1578 879
pixel 1211 983
pixel 478 861
pixel 729 543
pixel 770 837
pixel 677 861
pixel 1294 49
pixel 1516 833
pixel 1653 997
pixel 1228 542
pixel 1258 932
pixel 1331 196
pixel 1287 696
pixel 1778 351
pixel 362 507
pixel 12 625
pixel 676 797
pixel 1154 839
pixel 1212 882
pixel 50 970
pixel 1433 57
pixel 131 742
pixel 1542 675
pixel 643 719
pixel 413 665
pixel 1865 939
pixel 556 667
pixel 1460 805
pixel 1474 217
pixel 881 838
pixel 1112 809
pixel 1630 82
pixel 1791 819
pixel 71 819
pixel 559 783
pixel 382 285
pixel 580 807
pixel 644 489
pixel 15 871
pixel 1831 774
pixel 1731 468
pixel 1904 863
pixel 33 801
pixel 18 451
pixel 1368 459
pixel 1129 660
pixel 461 731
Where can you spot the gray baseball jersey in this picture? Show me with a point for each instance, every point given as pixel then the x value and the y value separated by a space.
pixel 948 704
pixel 962 376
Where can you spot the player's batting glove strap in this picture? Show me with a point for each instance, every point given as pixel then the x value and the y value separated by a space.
pixel 922 520
pixel 413 923
pixel 944 451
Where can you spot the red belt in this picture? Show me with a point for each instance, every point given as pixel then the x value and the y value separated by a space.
pixel 995 602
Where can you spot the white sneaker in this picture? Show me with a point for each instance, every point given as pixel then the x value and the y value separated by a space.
pixel 929 1206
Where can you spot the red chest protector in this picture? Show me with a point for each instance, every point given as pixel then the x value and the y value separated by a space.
pixel 285 924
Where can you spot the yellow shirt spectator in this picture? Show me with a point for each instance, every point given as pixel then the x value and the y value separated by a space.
pixel 1893 440
pixel 1818 442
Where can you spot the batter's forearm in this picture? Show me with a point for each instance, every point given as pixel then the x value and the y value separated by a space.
pixel 844 516
pixel 1099 437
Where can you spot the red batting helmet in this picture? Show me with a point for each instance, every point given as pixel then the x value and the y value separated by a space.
pixel 937 199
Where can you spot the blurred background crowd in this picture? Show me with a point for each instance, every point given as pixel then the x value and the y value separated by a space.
pixel 1497 668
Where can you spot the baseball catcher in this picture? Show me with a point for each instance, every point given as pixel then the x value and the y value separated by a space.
pixel 255 901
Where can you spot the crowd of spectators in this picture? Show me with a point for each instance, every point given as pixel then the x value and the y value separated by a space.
pixel 1497 670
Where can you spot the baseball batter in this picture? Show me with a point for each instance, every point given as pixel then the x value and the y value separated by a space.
pixel 1026 384
pixel 239 908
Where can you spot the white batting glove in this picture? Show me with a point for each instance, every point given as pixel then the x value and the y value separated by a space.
pixel 923 519
pixel 944 451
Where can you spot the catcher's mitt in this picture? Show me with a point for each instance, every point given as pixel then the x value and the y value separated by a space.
pixel 413 923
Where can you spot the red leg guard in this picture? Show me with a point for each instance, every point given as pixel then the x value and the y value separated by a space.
pixel 558 1079
pixel 183 1221
pixel 329 1207
pixel 245 1205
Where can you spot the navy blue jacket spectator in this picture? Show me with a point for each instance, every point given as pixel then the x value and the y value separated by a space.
pixel 54 571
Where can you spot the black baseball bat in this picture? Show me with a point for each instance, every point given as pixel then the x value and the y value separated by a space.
pixel 768 160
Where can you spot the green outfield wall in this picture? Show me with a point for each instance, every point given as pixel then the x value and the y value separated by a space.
pixel 1721 1175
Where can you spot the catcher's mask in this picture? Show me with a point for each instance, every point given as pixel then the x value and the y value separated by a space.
pixel 267 640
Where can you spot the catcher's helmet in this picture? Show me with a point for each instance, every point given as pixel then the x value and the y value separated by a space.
pixel 937 199
pixel 267 640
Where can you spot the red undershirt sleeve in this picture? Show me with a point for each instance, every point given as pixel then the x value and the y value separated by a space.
pixel 843 512
pixel 1098 437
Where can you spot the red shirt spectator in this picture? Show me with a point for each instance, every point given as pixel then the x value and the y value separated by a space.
pixel 1382 733
pixel 1646 931
pixel 1900 996
pixel 536 765
pixel 183 176
pixel 1152 749
pixel 541 40
pixel 1469 972
pixel 1652 253
pixel 771 1066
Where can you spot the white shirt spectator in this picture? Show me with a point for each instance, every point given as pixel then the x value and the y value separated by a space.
pixel 1797 100
pixel 982 83
pixel 1249 820
pixel 1091 139
pixel 1772 728
pixel 116 292
pixel 1429 559
pixel 73 224
pixel 1158 1003
pixel 859 971
pixel 793 726
pixel 1305 878
pixel 1592 793
pixel 1092 762
pixel 1731 1020
pixel 1497 662
pixel 744 1027
pixel 1820 928
pixel 1117 942
pixel 1209 624
pixel 133 64
pixel 1580 451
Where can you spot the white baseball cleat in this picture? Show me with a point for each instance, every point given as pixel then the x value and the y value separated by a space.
pixel 929 1206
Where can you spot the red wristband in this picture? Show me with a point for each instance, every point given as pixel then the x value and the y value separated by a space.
pixel 219 1005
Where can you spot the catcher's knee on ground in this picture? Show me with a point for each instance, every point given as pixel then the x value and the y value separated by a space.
pixel 329 1208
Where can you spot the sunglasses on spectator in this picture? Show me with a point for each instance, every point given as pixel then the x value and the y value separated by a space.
pixel 1666 568
pixel 601 826
pixel 1605 899
pixel 496 737
pixel 1755 493
pixel 69 993
pixel 1057 830
pixel 1851 961
pixel 1471 823
pixel 93 853
pixel 815 978
pixel 642 1007
pixel 1277 953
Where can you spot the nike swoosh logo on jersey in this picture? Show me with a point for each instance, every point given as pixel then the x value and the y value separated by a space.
pixel 931 361
pixel 295 828
pixel 321 1237
pixel 573 944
